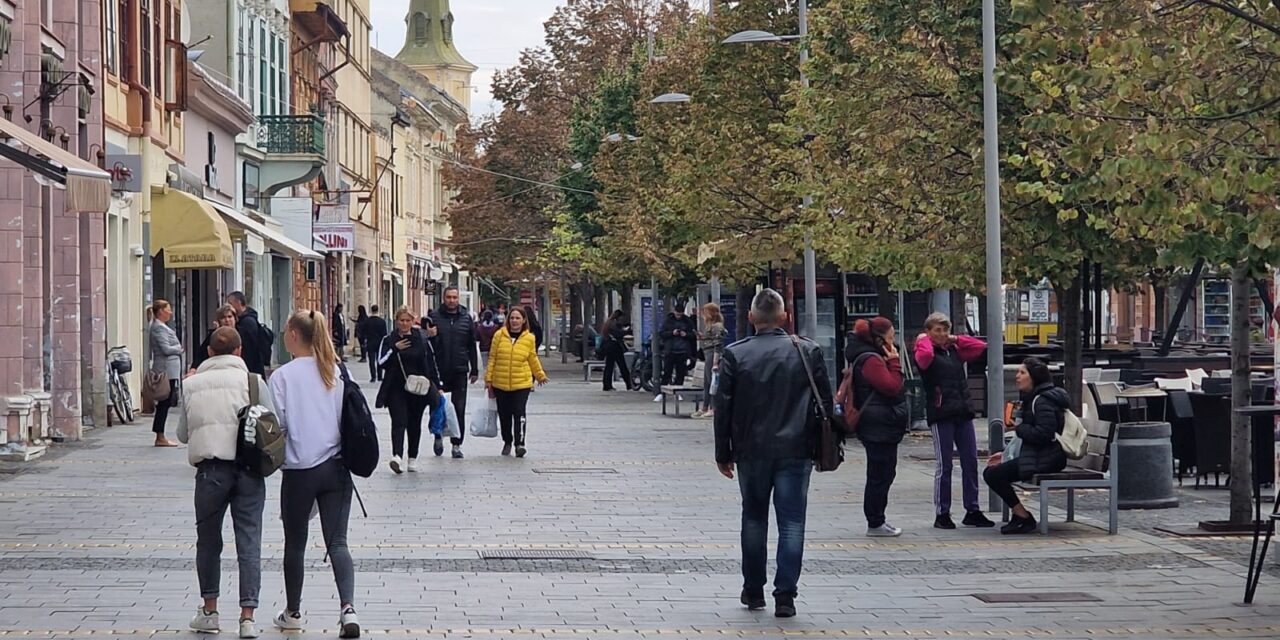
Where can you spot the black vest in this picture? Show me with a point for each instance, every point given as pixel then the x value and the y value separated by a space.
pixel 946 384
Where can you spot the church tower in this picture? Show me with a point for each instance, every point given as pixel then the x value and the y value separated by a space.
pixel 429 49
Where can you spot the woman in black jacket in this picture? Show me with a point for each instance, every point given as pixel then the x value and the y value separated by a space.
pixel 362 318
pixel 613 344
pixel 1043 407
pixel 882 422
pixel 406 352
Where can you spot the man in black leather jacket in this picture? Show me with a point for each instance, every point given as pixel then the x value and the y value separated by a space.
pixel 457 357
pixel 765 424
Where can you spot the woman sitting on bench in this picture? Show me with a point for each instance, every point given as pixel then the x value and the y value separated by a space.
pixel 1043 407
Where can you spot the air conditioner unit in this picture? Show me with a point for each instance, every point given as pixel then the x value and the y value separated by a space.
pixel 211 176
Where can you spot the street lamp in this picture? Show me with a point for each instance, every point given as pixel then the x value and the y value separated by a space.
pixel 671 98
pixel 991 180
pixel 810 260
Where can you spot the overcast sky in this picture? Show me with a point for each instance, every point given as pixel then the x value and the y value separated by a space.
pixel 489 33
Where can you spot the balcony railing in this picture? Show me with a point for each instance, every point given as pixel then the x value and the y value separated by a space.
pixel 292 134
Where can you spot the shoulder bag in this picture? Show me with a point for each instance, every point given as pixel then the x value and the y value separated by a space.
pixel 416 385
pixel 830 444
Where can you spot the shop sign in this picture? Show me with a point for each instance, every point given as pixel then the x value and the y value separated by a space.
pixel 335 238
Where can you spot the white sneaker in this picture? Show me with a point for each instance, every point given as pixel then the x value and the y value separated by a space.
pixel 204 622
pixel 413 465
pixel 396 464
pixel 248 629
pixel 658 398
pixel 349 624
pixel 289 621
pixel 885 530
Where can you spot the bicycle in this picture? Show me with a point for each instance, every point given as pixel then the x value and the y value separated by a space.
pixel 642 371
pixel 119 362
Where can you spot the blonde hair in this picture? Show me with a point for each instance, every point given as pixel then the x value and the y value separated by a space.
pixel 404 311
pixel 711 311
pixel 313 329
pixel 937 319
pixel 156 307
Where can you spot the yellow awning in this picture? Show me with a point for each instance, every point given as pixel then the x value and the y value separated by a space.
pixel 189 230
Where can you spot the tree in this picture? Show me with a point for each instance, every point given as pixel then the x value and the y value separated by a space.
pixel 528 138
pixel 1174 112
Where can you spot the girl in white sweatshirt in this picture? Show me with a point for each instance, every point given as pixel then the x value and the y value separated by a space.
pixel 308 395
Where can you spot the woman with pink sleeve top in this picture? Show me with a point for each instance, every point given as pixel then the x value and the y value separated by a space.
pixel 941 358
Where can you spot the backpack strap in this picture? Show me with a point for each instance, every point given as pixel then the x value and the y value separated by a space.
pixel 253 390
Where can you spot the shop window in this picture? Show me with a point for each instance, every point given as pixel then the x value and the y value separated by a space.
pixel 251 179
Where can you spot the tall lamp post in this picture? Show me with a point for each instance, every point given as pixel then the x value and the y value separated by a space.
pixel 810 259
pixel 991 180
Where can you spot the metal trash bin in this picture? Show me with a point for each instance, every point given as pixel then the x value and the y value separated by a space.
pixel 1144 466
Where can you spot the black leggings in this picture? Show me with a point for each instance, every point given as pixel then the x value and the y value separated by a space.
pixel 162 408
pixel 406 412
pixel 615 356
pixel 1001 478
pixel 511 414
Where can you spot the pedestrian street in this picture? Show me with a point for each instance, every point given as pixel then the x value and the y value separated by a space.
pixel 616 525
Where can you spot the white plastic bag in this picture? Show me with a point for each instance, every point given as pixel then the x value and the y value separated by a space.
pixel 485 422
pixel 451 427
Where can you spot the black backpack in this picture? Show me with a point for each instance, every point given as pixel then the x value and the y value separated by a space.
pixel 266 343
pixel 359 433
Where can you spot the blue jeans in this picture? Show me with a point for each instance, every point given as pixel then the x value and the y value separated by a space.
pixel 788 482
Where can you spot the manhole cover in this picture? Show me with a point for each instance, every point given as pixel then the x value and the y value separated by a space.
pixel 1033 597
pixel 575 470
pixel 534 554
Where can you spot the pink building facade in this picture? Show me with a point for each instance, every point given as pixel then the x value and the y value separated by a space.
pixel 53 200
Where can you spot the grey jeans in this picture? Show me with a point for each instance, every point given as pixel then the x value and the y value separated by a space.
pixel 221 484
pixel 327 485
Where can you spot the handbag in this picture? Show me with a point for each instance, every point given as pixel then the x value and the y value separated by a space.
pixel 416 385
pixel 830 443
pixel 156 386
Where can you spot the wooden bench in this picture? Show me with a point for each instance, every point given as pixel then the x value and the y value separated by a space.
pixel 592 365
pixel 676 391
pixel 1094 471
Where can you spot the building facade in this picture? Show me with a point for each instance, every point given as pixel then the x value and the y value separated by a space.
pixel 53 202
pixel 424 139
pixel 443 81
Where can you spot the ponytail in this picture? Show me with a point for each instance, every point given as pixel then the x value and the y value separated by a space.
pixel 312 328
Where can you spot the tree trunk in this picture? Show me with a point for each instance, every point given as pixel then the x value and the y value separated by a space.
pixel 1159 293
pixel 1241 426
pixel 628 299
pixel 745 294
pixel 1070 315
pixel 886 299
pixel 575 308
pixel 603 298
pixel 588 317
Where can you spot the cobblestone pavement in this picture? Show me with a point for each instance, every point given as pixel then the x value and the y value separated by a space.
pixel 616 525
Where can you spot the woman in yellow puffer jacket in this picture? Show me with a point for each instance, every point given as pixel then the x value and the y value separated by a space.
pixel 513 366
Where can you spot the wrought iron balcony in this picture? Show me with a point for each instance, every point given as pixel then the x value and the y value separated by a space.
pixel 292 134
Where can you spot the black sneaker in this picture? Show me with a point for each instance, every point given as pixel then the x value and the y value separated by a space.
pixel 439 446
pixel 1019 526
pixel 977 519
pixel 752 600
pixel 784 607
pixel 943 521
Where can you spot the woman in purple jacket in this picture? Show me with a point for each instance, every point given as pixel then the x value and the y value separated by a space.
pixel 941 358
